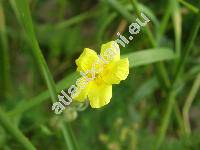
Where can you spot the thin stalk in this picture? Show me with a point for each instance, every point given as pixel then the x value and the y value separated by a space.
pixel 165 20
pixel 102 29
pixel 160 68
pixel 147 30
pixel 69 136
pixel 189 6
pixel 77 19
pixel 26 21
pixel 188 103
pixel 5 122
pixel 73 20
pixel 179 118
pixel 117 6
pixel 177 22
pixel 5 79
pixel 165 122
pixel 162 73
pixel 188 47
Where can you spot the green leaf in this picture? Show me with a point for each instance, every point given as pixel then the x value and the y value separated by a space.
pixel 148 56
pixel 145 89
pixel 177 22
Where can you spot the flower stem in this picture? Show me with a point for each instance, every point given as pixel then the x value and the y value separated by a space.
pixel 188 103
pixel 15 131
pixel 172 93
pixel 5 78
pixel 189 6
pixel 22 9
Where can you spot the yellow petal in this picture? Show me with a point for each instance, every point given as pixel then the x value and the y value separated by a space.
pixel 86 60
pixel 99 94
pixel 82 90
pixel 116 71
pixel 110 51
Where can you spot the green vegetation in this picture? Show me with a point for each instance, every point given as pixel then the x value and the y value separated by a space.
pixel 156 107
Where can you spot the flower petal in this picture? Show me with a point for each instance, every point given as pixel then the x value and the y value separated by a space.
pixel 99 94
pixel 110 51
pixel 116 71
pixel 82 90
pixel 86 60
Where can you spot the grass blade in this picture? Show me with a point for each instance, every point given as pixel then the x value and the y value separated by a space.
pixel 26 21
pixel 5 79
pixel 188 103
pixel 177 22
pixel 172 94
pixel 116 5
pixel 144 57
pixel 15 131
pixel 189 6
pixel 165 20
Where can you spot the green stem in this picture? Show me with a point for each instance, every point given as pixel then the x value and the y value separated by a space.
pixel 188 47
pixel 160 68
pixel 5 79
pixel 161 71
pixel 165 20
pixel 189 6
pixel 69 136
pixel 165 120
pixel 171 99
pixel 179 118
pixel 72 21
pixel 177 23
pixel 147 30
pixel 77 19
pixel 119 8
pixel 26 21
pixel 102 29
pixel 188 103
pixel 15 131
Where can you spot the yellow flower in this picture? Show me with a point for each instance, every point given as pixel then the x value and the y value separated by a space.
pixel 99 72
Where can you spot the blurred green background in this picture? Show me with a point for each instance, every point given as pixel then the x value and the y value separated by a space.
pixel 156 107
